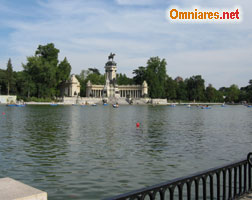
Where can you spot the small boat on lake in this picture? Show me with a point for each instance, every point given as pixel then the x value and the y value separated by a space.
pixel 206 107
pixel 16 105
pixel 173 105
pixel 54 104
pixel 115 105
pixel 20 105
pixel 94 104
pixel 105 104
pixel 249 106
pixel 11 105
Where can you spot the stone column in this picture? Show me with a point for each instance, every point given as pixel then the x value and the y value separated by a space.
pixel 70 91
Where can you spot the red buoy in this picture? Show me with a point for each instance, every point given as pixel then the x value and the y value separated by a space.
pixel 3 113
pixel 137 124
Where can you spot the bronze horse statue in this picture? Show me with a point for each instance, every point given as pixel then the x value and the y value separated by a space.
pixel 111 56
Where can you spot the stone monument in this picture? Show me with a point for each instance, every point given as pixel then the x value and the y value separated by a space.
pixel 111 87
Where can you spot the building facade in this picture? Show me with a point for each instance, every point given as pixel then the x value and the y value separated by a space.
pixel 71 88
pixel 112 89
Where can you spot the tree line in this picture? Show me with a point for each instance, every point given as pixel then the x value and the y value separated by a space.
pixel 43 75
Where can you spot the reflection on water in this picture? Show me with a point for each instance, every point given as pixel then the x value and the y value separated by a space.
pixel 94 152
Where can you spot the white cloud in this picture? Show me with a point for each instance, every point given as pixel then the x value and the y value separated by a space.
pixel 87 31
pixel 135 2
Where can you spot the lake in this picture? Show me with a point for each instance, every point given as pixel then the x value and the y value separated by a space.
pixel 75 152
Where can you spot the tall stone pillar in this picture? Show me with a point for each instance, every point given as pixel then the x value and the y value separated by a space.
pixel 144 89
pixel 111 88
pixel 88 90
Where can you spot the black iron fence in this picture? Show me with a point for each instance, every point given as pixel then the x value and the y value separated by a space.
pixel 226 182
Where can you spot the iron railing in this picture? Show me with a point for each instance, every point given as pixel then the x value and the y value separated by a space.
pixel 225 182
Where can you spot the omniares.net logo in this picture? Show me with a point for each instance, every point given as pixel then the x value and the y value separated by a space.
pixel 203 15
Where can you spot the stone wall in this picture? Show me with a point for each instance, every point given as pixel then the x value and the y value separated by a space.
pixel 81 100
pixel 112 100
pixel 159 101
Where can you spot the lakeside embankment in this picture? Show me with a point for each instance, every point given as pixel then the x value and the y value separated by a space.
pixel 176 103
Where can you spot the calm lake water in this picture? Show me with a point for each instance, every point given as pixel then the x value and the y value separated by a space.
pixel 75 152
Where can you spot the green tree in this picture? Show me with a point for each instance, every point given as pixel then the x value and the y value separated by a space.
pixel 62 74
pixel 96 79
pixel 122 79
pixel 44 73
pixel 196 88
pixel 233 93
pixel 24 85
pixel 63 71
pixel 3 86
pixel 140 75
pixel 182 91
pixel 9 76
pixel 171 88
pixel 246 93
pixel 249 91
pixel 156 77
pixel 93 76
pixel 83 84
pixel 82 78
pixel 94 71
pixel 48 53
pixel 211 93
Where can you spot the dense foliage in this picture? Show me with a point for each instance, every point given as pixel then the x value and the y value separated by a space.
pixel 190 89
pixel 43 76
pixel 93 75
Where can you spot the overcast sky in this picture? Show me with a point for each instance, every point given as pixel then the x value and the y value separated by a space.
pixel 86 31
